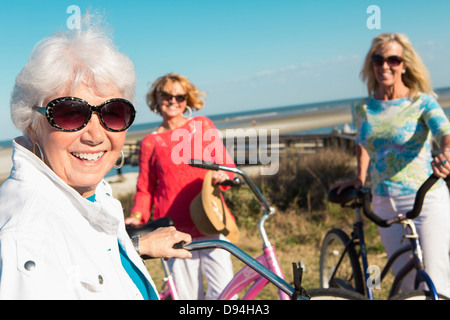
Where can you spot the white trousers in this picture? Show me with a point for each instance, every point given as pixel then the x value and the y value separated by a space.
pixel 433 227
pixel 214 264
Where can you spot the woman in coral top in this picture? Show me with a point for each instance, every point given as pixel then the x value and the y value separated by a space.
pixel 167 184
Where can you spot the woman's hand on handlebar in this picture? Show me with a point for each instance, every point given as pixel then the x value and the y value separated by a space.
pixel 159 243
pixel 355 183
pixel 219 176
pixel 441 165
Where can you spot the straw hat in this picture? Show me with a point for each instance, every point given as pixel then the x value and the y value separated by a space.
pixel 210 213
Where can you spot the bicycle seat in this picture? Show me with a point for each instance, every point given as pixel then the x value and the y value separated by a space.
pixel 346 195
pixel 143 229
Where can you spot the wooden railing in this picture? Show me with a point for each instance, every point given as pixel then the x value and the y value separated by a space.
pixel 247 150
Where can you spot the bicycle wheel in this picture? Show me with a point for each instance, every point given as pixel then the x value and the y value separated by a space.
pixel 348 275
pixel 416 295
pixel 334 294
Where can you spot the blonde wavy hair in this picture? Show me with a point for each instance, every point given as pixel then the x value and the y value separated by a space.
pixel 416 76
pixel 195 97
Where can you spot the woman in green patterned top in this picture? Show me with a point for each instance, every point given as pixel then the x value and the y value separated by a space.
pixel 396 126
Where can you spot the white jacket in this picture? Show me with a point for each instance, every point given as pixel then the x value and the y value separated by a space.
pixel 54 244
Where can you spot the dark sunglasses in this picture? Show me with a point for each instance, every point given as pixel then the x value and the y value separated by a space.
pixel 73 114
pixel 392 61
pixel 167 96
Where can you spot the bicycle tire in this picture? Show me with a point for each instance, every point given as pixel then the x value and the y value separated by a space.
pixel 334 294
pixel 349 275
pixel 416 295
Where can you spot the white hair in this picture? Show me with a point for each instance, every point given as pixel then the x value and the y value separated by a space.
pixel 64 61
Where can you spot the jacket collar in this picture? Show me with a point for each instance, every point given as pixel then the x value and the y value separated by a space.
pixel 26 166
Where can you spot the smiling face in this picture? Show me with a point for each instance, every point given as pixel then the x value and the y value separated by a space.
pixel 389 76
pixel 169 106
pixel 81 158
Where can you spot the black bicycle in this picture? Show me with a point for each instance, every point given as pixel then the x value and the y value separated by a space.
pixel 340 255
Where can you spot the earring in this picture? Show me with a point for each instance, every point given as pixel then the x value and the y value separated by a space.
pixel 41 154
pixel 404 71
pixel 122 161
pixel 155 109
pixel 189 109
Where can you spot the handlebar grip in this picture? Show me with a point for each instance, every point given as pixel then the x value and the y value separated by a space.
pixel 179 245
pixel 420 196
pixel 203 164
pixel 230 183
pixel 143 229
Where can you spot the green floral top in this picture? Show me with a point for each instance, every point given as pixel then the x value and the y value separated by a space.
pixel 397 134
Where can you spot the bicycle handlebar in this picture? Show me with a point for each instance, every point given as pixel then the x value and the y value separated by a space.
pixel 246 259
pixel 231 183
pixel 268 211
pixel 366 200
pixel 204 164
pixel 214 166
pixel 414 213
pixel 143 229
pixel 420 196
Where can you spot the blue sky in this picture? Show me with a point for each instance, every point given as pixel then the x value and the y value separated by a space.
pixel 246 54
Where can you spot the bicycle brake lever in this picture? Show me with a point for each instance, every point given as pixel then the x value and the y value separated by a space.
pixel 299 290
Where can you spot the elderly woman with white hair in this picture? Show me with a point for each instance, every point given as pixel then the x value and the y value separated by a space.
pixel 396 127
pixel 62 233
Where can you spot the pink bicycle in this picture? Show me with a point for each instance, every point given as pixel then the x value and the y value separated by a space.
pixel 247 275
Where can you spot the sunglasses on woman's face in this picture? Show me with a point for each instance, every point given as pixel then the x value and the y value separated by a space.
pixel 73 114
pixel 392 61
pixel 167 96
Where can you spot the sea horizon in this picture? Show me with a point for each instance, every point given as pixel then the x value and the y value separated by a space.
pixel 233 119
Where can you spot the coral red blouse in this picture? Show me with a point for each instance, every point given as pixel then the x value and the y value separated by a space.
pixel 167 183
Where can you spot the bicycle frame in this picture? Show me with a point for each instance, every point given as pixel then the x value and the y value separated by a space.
pixel 358 228
pixel 358 238
pixel 247 276
pixel 416 262
pixel 241 279
pixel 259 271
pixel 168 280
pixel 257 268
